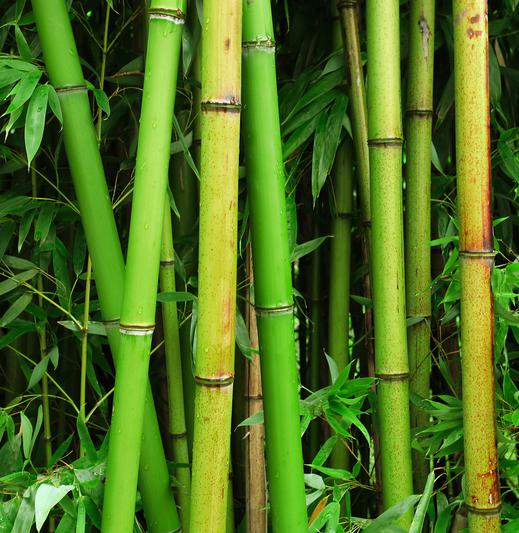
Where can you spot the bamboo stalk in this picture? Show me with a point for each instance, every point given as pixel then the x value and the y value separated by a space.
pixel 177 423
pixel 385 150
pixel 142 268
pixel 418 212
pixel 214 364
pixel 471 81
pixel 84 346
pixel 80 141
pixel 340 269
pixel 255 482
pixel 272 271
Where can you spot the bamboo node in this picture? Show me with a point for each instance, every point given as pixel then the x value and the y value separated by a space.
pixel 71 89
pixel 386 141
pixel 477 254
pixel 280 310
pixel 346 4
pixel 171 15
pixel 216 382
pixel 264 43
pixel 393 377
pixel 420 113
pixel 178 435
pixel 487 511
pixel 112 323
pixel 344 215
pixel 136 330
pixel 167 263
pixel 232 105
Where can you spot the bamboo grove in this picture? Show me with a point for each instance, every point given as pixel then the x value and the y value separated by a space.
pixel 258 266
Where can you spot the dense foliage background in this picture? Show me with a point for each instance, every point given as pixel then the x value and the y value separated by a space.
pixel 49 452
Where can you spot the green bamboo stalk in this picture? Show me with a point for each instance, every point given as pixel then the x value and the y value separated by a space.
pixel 214 364
pixel 348 12
pixel 177 423
pixel 142 266
pixel 272 272
pixel 84 346
pixel 418 212
pixel 80 140
pixel 185 191
pixel 471 82
pixel 385 150
pixel 340 259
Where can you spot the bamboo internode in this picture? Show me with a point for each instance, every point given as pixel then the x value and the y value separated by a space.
pixel 471 77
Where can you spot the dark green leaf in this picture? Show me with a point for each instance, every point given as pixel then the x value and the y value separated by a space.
pixel 15 309
pixel 24 90
pixel 21 43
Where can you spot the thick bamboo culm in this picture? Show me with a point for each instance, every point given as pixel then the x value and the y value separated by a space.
pixel 255 481
pixel 272 271
pixel 385 150
pixel 142 269
pixel 214 364
pixel 81 146
pixel 418 212
pixel 177 422
pixel 471 81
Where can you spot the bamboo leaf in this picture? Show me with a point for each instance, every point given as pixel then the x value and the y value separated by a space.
pixel 26 428
pixel 35 121
pixel 320 140
pixel 13 282
pixel 47 496
pixel 86 441
pixel 60 451
pixel 21 43
pixel 55 104
pixel 38 372
pixel 9 76
pixel 305 248
pixel 423 504
pixel 81 516
pixel 15 309
pixel 300 136
pixel 391 516
pixel 185 149
pixel 24 90
pixel 43 222
pixel 25 515
pixel 94 328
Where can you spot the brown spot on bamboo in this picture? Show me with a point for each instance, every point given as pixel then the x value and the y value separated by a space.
pixel 475 19
pixel 227 43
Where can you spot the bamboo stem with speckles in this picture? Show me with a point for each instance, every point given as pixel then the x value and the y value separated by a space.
pixel 471 78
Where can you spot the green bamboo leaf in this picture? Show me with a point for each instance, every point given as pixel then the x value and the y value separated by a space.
pixel 54 356
pixel 25 515
pixel 55 104
pixel 13 282
pixel 66 524
pixel 15 309
pixel 79 250
pixel 43 222
pixel 25 226
pixel 60 451
pixel 61 273
pixel 19 263
pixel 35 121
pixel 21 43
pixel 305 248
pixel 47 496
pixel 325 450
pixel 185 149
pixel 38 372
pixel 23 90
pixel 26 428
pixel 94 328
pixel 329 516
pixel 37 427
pixel 86 441
pixel 320 140
pixel 392 515
pixel 9 76
pixel 178 296
pixel 81 516
pixel 507 146
pixel 256 418
pixel 299 137
pixel 423 504
pixel 315 481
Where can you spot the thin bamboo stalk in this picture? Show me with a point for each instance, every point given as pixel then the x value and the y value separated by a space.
pixel 142 268
pixel 385 150
pixel 80 141
pixel 471 81
pixel 214 364
pixel 177 423
pixel 272 271
pixel 418 212
pixel 255 482
pixel 84 346
pixel 340 265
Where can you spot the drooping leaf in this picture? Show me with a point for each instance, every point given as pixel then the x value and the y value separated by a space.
pixel 24 90
pixel 35 121
pixel 15 309
pixel 47 496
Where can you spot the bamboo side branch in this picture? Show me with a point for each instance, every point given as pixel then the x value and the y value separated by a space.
pixel 64 71
pixel 471 78
pixel 385 150
pixel 214 364
pixel 418 211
